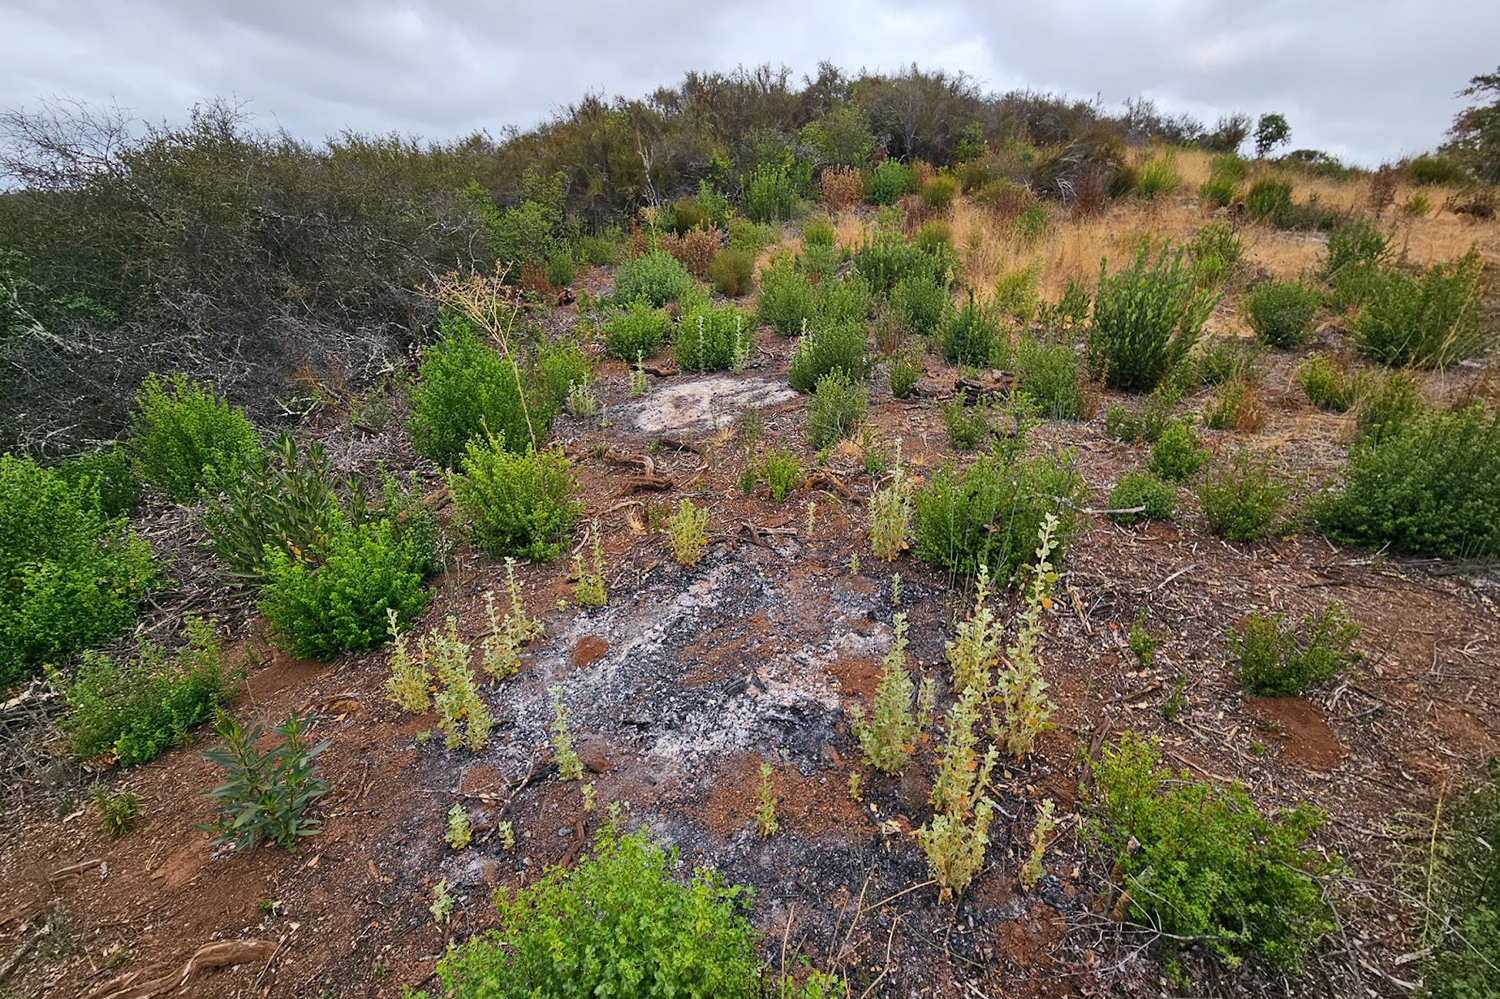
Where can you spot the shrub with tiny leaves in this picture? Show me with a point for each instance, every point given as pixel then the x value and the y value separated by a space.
pixel 1146 319
pixel 971 335
pixel 1243 499
pixel 1281 312
pixel 656 277
pixel 637 331
pixel 825 349
pixel 1429 321
pixel 712 339
pixel 836 408
pixel 967 426
pixel 1326 385
pixel 1275 659
pixel 515 504
pixel 184 438
pixel 905 371
pixel 1141 496
pixel 1178 453
pixel 687 532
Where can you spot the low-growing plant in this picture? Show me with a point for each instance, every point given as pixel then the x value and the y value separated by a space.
pixel 687 532
pixel 1141 496
pixel 889 736
pixel 465 390
pixel 765 812
pixel 1032 871
pixel 967 426
pixel 1223 359
pixel 139 708
pixel 1462 900
pixel 118 810
pixel 970 335
pixel 1427 485
pixel 1429 321
pixel 463 717
pixel 183 437
pixel 955 838
pixel 786 299
pixel 939 192
pixel 828 349
pixel 1051 374
pixel 885 259
pixel 1022 709
pixel 1384 405
pixel 694 249
pixel 269 791
pixel 106 475
pixel 569 767
pixel 443 902
pixel 411 674
pixel 890 516
pixel 460 831
pixel 334 599
pixel 1274 659
pixel 1269 200
pixel 1236 405
pixel 1326 385
pixel 1199 862
pixel 1031 225
pixel 1159 176
pixel 657 278
pixel 838 406
pixel 1357 243
pixel 1141 642
pixel 841 187
pixel 1178 454
pixel 712 339
pixel 780 470
pixel 905 371
pixel 685 939
pixel 500 650
pixel 733 272
pixel 637 331
pixel 1016 294
pixel 588 586
pixel 1281 312
pixel 885 184
pixel 921 301
pixel 769 194
pixel 1243 499
pixel 1146 319
pixel 1214 251
pixel 515 504
pixel 70 578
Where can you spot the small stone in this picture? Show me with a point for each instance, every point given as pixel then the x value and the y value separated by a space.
pixel 564 831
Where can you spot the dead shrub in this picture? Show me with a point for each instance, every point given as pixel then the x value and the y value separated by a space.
pixel 695 249
pixel 842 187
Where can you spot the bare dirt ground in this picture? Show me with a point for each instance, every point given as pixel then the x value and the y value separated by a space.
pixel 690 678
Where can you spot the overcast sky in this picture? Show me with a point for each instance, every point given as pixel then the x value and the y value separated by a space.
pixel 1364 79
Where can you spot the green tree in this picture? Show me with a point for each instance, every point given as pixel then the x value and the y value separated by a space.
pixel 841 137
pixel 1475 135
pixel 1271 131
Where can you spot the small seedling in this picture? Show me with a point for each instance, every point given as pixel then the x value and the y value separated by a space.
pixel 460 832
pixel 896 590
pixel 589 590
pixel 500 650
pixel 638 386
pixel 590 797
pixel 687 532
pixel 1041 832
pixel 765 817
pixel 812 517
pixel 1176 700
pixel 442 903
pixel 582 402
pixel 568 766
pixel 506 834
pixel 856 786
pixel 854 564
pixel 118 810
pixel 1142 643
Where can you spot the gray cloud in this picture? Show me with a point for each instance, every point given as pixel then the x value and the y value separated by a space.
pixel 1365 79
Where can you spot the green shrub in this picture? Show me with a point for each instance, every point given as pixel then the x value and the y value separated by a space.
pixel 602 251
pixel 970 335
pixel 888 182
pixel 769 195
pixel 837 347
pixel 1326 386
pixel 616 924
pixel 1121 424
pixel 939 192
pixel 184 438
pixel 1178 453
pixel 1155 498
pixel 1199 862
pixel 817 230
pixel 1274 660
pixel 1158 177
pixel 332 600
pixel 990 513
pixel 1353 285
pixel 69 577
pixel 1281 312
pixel 140 708
pixel 1214 251
pixel 1427 485
pixel 780 470
pixel 1436 168
pixel 269 790
pixel 921 301
pixel 1243 499
pixel 561 269
pixel 518 505
pixel 885 258
pixel 1464 890
pixel 1356 242
pixel 967 426
pixel 465 389
pixel 557 367
pixel 105 474
pixel 1387 405
pixel 934 237
pixel 1431 321
pixel 1217 191
pixel 1269 200
pixel 1016 294
pixel 1223 359
pixel 786 298
pixel 732 272
pixel 637 331
pixel 846 300
pixel 838 406
pixel 1051 374
pixel 657 277
pixel 1146 319
pixel 906 371
pixel 1030 225
pixel 752 237
pixel 712 339
pixel 1231 165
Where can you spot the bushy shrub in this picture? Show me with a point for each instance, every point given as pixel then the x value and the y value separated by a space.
pixel 905 371
pixel 1225 359
pixel 1016 294
pixel 601 250
pixel 1146 319
pixel 817 230
pixel 321 603
pixel 1325 385
pixel 825 349
pixel 935 236
pixel 886 184
pixel 1274 660
pixel 269 789
pixel 1214 251
pixel 637 331
pixel 1356 242
pixel 1199 862
pixel 140 708
pixel 657 277
pixel 1386 405
pixel 644 932
pixel 1030 225
pixel 1269 200
pixel 921 301
pixel 970 335
pixel 1178 453
pixel 516 504
pixel 1159 176
pixel 990 513
pixel 1281 312
pixel 769 195
pixel 886 258
pixel 843 300
pixel 1427 485
pixel 1155 499
pixel 786 297
pixel 838 406
pixel 1436 168
pixel 1243 499
pixel 939 192
pixel 1464 868
pixel 1051 374
pixel 733 272
pixel 464 389
pixel 1217 191
pixel 183 437
pixel 967 426
pixel 557 366
pixel 712 339
pixel 561 268
pixel 69 577
pixel 1237 405
pixel 106 475
pixel 1431 321
pixel 752 237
